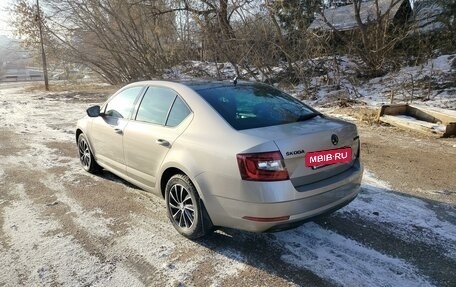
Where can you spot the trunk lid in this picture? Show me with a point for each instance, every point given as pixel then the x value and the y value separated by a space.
pixel 295 140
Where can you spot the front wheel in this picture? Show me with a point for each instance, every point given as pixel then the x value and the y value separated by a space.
pixel 185 209
pixel 86 156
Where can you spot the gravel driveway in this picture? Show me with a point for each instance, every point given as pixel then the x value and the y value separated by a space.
pixel 62 226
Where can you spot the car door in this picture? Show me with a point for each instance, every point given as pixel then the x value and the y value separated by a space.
pixel 107 130
pixel 160 119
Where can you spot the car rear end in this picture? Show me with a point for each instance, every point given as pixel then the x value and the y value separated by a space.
pixel 301 164
pixel 293 185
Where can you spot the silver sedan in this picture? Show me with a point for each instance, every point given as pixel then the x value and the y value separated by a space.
pixel 224 154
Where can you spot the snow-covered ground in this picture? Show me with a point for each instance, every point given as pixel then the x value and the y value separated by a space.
pixel 431 83
pixel 82 243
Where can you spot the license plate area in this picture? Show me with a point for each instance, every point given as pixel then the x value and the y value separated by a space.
pixel 318 159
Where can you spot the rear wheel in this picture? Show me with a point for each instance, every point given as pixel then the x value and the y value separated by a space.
pixel 186 210
pixel 86 156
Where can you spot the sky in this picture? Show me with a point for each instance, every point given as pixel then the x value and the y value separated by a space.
pixel 5 26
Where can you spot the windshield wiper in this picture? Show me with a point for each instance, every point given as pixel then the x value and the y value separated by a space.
pixel 307 117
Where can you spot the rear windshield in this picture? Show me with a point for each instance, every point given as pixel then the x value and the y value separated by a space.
pixel 248 106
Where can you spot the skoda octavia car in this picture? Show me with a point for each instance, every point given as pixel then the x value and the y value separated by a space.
pixel 224 154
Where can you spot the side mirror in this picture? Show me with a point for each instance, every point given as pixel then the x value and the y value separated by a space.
pixel 93 112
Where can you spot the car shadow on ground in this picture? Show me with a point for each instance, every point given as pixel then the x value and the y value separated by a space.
pixel 261 251
pixel 114 178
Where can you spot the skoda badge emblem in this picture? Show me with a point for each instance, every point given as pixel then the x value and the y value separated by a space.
pixel 334 139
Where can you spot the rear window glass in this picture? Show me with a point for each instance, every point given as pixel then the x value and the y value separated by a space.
pixel 248 106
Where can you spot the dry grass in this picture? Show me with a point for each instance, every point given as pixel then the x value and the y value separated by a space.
pixel 68 86
pixel 74 91
pixel 365 115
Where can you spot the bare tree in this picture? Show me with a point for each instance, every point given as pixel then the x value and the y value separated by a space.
pixel 290 20
pixel 375 36
pixel 117 39
pixel 448 18
pixel 127 40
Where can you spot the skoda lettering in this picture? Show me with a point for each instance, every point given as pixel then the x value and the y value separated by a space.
pixel 292 153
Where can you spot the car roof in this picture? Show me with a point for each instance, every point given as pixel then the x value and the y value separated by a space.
pixel 198 84
pixel 204 84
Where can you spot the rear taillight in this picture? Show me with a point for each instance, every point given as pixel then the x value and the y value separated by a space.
pixel 358 150
pixel 267 166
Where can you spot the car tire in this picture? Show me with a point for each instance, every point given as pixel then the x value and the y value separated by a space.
pixel 185 208
pixel 86 156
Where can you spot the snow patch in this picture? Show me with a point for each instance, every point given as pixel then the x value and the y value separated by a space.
pixel 39 255
pixel 434 126
pixel 2 174
pixel 51 122
pixel 155 241
pixel 233 263
pixel 91 221
pixel 404 215
pixel 158 250
pixel 345 261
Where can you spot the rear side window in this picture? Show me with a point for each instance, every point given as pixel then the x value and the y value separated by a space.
pixel 162 106
pixel 122 104
pixel 178 113
pixel 247 106
pixel 155 105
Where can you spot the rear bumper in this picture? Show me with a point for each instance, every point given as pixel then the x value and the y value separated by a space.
pixel 294 224
pixel 325 198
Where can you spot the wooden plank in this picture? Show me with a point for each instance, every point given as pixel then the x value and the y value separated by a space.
pixel 397 109
pixel 422 115
pixel 444 118
pixel 410 125
pixel 450 130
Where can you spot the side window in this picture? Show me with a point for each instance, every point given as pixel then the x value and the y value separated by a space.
pixel 123 103
pixel 155 105
pixel 178 113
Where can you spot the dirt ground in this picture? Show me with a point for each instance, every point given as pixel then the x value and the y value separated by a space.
pixel 411 162
pixel 61 226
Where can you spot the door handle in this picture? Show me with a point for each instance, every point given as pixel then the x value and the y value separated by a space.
pixel 163 142
pixel 118 131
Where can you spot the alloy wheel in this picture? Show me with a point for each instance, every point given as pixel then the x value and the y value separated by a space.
pixel 84 153
pixel 181 206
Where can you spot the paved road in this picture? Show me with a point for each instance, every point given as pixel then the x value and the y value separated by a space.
pixel 62 226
